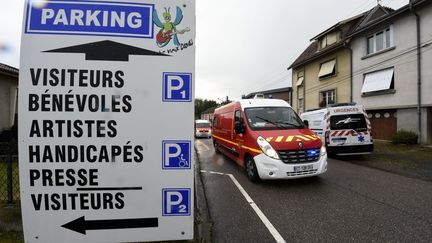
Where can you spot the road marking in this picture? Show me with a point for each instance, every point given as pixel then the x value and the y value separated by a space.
pixel 264 219
pixel 202 144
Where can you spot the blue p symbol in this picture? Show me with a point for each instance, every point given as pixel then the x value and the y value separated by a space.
pixel 176 155
pixel 177 87
pixel 176 201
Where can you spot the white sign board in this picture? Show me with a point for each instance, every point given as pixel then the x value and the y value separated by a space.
pixel 106 111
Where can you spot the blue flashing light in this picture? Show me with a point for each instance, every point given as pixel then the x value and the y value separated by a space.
pixel 312 152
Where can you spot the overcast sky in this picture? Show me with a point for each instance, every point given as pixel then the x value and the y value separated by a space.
pixel 242 46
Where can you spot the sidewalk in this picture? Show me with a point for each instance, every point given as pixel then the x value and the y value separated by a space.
pixel 409 160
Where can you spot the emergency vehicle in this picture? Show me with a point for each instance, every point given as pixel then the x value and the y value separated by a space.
pixel 345 129
pixel 268 139
pixel 202 129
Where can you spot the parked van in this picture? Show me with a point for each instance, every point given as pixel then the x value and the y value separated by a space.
pixel 202 129
pixel 345 129
pixel 268 139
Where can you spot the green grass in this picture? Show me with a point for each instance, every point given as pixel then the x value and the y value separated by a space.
pixel 400 153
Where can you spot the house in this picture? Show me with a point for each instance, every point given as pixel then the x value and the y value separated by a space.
pixel 8 96
pixel 322 73
pixel 208 114
pixel 392 75
pixel 281 93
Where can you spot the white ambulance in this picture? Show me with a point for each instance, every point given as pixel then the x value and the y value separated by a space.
pixel 345 129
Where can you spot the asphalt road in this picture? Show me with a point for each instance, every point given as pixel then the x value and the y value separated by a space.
pixel 349 203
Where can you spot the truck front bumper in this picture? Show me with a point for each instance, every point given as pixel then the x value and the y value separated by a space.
pixel 270 169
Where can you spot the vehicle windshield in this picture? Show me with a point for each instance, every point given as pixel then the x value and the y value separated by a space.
pixel 272 118
pixel 202 125
pixel 356 122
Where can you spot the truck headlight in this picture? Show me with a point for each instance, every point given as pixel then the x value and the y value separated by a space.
pixel 323 150
pixel 267 148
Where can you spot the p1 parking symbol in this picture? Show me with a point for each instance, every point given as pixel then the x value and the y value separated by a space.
pixel 176 155
pixel 176 201
pixel 177 87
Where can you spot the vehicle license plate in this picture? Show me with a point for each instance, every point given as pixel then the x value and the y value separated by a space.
pixel 303 168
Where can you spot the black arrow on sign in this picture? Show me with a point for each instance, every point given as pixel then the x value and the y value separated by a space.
pixel 80 225
pixel 107 51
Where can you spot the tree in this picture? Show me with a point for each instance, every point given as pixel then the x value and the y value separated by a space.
pixel 202 105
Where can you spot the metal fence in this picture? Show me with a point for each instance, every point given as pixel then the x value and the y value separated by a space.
pixel 9 175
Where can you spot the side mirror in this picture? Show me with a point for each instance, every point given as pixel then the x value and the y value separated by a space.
pixel 306 123
pixel 239 127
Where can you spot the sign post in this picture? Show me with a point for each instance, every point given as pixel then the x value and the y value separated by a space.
pixel 106 111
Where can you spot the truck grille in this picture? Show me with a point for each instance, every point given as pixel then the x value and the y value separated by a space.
pixel 299 173
pixel 299 156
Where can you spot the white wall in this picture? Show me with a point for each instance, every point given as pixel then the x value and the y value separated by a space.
pixel 426 38
pixel 407 120
pixel 402 58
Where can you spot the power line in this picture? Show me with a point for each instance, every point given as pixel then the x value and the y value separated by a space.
pixel 275 81
pixel 379 63
pixel 361 8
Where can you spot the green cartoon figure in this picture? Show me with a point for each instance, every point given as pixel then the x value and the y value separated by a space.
pixel 168 29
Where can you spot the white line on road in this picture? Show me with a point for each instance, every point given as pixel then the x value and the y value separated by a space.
pixel 202 144
pixel 264 219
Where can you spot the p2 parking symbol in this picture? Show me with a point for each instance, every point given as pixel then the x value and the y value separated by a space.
pixel 176 201
pixel 177 87
pixel 176 154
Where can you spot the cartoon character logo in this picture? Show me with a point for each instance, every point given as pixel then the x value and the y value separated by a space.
pixel 168 28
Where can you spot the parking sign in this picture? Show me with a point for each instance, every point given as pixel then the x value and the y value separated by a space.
pixel 106 120
pixel 176 201
pixel 177 87
pixel 176 154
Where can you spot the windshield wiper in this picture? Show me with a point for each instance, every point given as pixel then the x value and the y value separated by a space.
pixel 291 124
pixel 276 123
pixel 266 120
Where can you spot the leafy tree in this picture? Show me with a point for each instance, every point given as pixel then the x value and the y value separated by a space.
pixel 202 105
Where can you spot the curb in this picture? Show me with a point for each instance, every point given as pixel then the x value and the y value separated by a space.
pixel 203 224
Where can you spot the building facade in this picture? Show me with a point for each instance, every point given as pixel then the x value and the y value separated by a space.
pixel 322 73
pixel 208 114
pixel 8 96
pixel 385 71
pixel 281 93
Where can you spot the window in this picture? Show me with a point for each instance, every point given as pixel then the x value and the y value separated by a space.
pixel 300 78
pixel 215 121
pixel 300 105
pixel 327 98
pixel 272 118
pixel 380 40
pixel 329 39
pixel 370 45
pixel 356 122
pixel 202 125
pixel 323 42
pixel 378 81
pixel 238 117
pixel 327 69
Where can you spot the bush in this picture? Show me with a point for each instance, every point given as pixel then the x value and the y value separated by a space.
pixel 404 137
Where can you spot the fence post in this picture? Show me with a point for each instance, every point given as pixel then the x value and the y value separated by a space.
pixel 9 175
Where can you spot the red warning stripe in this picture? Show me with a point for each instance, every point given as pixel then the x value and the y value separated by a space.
pixel 340 133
